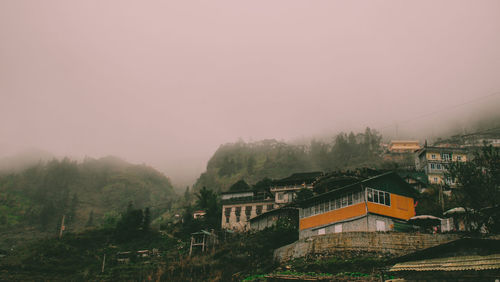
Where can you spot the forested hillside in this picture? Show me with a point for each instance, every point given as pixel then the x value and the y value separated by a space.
pixel 273 159
pixel 92 192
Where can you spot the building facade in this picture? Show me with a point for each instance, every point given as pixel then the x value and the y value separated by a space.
pixel 285 190
pixel 435 160
pixel 374 204
pixel 400 146
pixel 239 207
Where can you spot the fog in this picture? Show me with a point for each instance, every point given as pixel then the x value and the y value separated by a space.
pixel 166 82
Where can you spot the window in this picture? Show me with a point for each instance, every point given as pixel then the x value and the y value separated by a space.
pixel 459 158
pixel 433 166
pixel 433 156
pixel 338 228
pixel 355 198
pixel 280 196
pixel 237 218
pixel 438 166
pixel 445 157
pixel 258 209
pixel 227 219
pixel 435 180
pixel 380 225
pixel 237 211
pixel 349 199
pixel 270 207
pixel 321 231
pixel 379 197
pixel 248 211
pixel 227 212
pixel 344 201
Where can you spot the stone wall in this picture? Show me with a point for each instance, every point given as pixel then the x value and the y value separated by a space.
pixel 384 243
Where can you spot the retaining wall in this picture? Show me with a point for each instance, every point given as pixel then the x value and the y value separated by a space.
pixel 384 243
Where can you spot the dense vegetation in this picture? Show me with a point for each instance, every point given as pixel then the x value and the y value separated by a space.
pixel 90 193
pixel 273 159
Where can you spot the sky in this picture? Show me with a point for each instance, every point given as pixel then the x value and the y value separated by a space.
pixel 166 82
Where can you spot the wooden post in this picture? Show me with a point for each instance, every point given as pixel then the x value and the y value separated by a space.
pixel 103 263
pixel 62 227
pixel 191 246
pixel 203 244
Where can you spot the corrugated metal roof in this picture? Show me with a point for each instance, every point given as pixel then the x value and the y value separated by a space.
pixel 459 263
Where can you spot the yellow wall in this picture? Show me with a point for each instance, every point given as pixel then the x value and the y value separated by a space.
pixel 401 207
pixel 439 179
pixel 438 156
pixel 333 216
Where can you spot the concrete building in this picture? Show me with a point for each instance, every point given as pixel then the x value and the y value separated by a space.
pixel 374 204
pixel 285 190
pixel 434 161
pixel 270 218
pixel 239 207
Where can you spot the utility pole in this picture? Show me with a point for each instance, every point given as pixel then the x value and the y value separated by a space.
pixel 62 227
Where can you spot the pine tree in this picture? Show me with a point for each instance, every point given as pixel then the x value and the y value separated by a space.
pixel 90 222
pixel 146 224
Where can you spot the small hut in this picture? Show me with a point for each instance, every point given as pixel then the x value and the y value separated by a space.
pixel 203 240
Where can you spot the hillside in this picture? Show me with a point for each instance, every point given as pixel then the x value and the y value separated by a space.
pixel 92 192
pixel 273 159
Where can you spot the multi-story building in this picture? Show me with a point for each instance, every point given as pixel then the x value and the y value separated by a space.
pixel 375 204
pixel 435 160
pixel 239 207
pixel 400 146
pixel 285 190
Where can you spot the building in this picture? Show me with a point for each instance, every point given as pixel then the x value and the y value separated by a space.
pixel 417 179
pixel 374 204
pixel 199 214
pixel 285 190
pixel 400 146
pixel 434 161
pixel 239 207
pixel 465 259
pixel 270 218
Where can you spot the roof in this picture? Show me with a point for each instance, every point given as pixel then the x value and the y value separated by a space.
pixel 457 263
pixel 202 232
pixel 416 175
pixel 236 192
pixel 298 178
pixel 460 247
pixel 441 149
pixel 274 211
pixel 405 141
pixel 389 182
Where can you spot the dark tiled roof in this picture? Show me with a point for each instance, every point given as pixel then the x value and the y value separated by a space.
pixel 298 178
pixel 456 263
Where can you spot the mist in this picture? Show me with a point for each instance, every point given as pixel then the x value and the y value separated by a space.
pixel 165 83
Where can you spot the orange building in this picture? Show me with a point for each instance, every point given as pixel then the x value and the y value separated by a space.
pixel 375 204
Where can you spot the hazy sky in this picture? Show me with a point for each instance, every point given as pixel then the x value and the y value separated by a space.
pixel 166 82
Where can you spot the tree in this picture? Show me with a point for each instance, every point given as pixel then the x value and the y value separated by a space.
pixel 208 201
pixel 187 195
pixel 478 186
pixel 72 209
pixel 146 223
pixel 90 222
pixel 241 185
